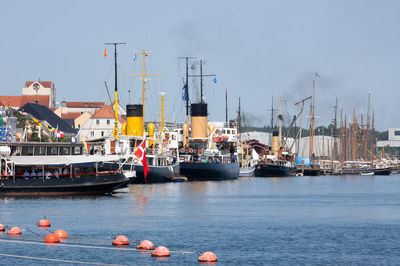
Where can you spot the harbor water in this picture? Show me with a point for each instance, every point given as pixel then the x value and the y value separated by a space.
pixel 325 220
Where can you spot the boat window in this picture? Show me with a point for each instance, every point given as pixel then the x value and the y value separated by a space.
pixel 64 151
pixel 228 131
pixel 102 133
pixel 233 132
pixel 91 133
pixel 108 121
pixel 52 150
pixel 77 150
pixel 40 150
pixel 27 150
pixel 223 131
pixel 97 122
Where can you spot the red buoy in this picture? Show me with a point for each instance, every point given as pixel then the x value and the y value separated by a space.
pixel 61 234
pixel 14 231
pixel 2 228
pixel 208 257
pixel 121 241
pixel 161 251
pixel 44 223
pixel 145 245
pixel 52 238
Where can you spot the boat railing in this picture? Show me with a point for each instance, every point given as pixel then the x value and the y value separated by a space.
pixel 65 175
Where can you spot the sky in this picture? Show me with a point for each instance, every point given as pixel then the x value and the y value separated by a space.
pixel 256 49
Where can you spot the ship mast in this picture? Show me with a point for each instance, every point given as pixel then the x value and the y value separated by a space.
pixel 280 117
pixel 186 88
pixel 201 79
pixel 226 105
pixel 239 120
pixel 162 110
pixel 143 75
pixel 116 87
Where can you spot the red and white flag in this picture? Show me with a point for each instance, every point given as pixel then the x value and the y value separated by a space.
pixel 59 134
pixel 140 155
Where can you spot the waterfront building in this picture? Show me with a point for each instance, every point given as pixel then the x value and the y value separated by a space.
pixel 393 142
pixel 41 92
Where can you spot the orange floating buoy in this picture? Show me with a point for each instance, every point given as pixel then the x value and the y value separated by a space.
pixel 14 231
pixel 121 241
pixel 161 251
pixel 44 223
pixel 2 228
pixel 52 238
pixel 61 234
pixel 145 245
pixel 208 257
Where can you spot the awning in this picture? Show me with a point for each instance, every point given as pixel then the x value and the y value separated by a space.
pixel 63 160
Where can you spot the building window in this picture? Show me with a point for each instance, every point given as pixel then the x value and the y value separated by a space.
pixel 97 122
pixel 91 133
pixel 397 132
pixel 108 121
pixel 102 133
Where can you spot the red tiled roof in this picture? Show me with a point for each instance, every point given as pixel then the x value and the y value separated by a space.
pixel 85 104
pixel 46 84
pixel 18 101
pixel 53 108
pixel 73 115
pixel 106 112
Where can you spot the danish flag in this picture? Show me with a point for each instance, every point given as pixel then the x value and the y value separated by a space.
pixel 140 154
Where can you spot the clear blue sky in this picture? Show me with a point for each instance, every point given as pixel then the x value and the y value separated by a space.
pixel 256 48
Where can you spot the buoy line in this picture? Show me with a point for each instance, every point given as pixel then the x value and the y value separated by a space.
pixel 66 245
pixel 87 246
pixel 57 260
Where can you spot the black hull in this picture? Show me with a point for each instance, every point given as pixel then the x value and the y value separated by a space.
pixel 157 174
pixel 376 171
pixel 209 171
pixel 270 170
pixel 309 171
pixel 63 186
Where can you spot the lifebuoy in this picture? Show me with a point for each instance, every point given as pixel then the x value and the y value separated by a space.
pixel 135 160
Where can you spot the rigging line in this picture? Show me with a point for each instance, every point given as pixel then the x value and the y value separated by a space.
pixel 56 260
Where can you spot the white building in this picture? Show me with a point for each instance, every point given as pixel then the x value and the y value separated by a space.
pixel 101 123
pixel 393 140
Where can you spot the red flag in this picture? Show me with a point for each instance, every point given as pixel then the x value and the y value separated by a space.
pixel 105 52
pixel 140 153
pixel 145 166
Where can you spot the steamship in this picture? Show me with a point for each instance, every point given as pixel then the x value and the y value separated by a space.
pixel 205 155
pixel 208 156
pixel 161 149
pixel 277 161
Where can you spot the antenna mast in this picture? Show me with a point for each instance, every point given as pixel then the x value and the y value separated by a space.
pixel 201 79
pixel 116 86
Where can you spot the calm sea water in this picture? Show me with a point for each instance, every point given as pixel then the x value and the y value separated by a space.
pixel 250 221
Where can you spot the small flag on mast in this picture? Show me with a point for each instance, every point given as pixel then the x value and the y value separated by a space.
pixel 105 52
